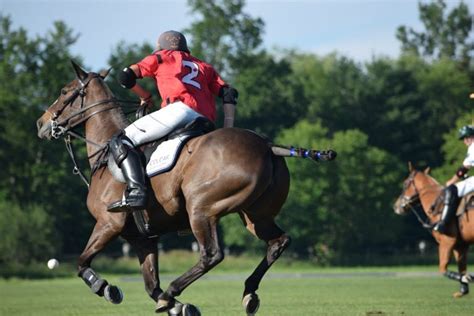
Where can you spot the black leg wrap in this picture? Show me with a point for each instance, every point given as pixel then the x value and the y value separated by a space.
pixel 453 275
pixel 464 289
pixel 93 281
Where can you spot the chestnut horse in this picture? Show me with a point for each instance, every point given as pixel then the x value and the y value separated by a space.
pixel 421 188
pixel 226 171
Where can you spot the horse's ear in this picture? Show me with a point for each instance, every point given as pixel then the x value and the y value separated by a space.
pixel 427 170
pixel 104 73
pixel 410 166
pixel 81 74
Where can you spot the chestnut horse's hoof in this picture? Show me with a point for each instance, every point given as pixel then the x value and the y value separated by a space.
pixel 459 294
pixel 113 294
pixel 251 303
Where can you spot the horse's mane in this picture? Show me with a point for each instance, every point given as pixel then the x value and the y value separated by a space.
pixel 118 115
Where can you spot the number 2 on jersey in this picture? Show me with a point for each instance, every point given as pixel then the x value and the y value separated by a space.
pixel 188 79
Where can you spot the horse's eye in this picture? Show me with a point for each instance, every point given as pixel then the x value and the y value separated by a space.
pixel 63 91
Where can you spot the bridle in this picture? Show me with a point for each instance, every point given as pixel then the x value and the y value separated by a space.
pixel 62 127
pixel 408 201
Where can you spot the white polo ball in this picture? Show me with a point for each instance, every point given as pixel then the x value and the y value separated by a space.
pixel 53 263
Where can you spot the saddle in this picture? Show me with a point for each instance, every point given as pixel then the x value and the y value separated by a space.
pixel 162 154
pixel 465 204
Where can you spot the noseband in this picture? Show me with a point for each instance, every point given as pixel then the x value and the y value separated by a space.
pixel 409 200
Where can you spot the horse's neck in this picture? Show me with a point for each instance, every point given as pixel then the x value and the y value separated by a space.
pixel 429 190
pixel 100 127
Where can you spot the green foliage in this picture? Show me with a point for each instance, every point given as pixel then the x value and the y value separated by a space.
pixel 269 95
pixel 26 232
pixel 35 172
pixel 445 35
pixel 329 202
pixel 224 35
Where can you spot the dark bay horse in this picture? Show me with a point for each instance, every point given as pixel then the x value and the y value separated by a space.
pixel 226 171
pixel 420 187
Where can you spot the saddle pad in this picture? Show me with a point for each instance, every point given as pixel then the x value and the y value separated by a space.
pixel 466 203
pixel 165 156
pixel 162 159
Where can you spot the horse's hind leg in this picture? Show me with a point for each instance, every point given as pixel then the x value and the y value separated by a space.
pixel 205 231
pixel 277 241
pixel 101 235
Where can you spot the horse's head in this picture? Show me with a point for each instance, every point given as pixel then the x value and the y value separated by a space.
pixel 410 193
pixel 73 104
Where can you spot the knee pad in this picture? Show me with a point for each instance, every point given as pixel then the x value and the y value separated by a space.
pixel 119 146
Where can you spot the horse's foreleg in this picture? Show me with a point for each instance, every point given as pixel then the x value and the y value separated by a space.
pixel 102 234
pixel 277 242
pixel 148 257
pixel 445 249
pixel 205 231
pixel 460 254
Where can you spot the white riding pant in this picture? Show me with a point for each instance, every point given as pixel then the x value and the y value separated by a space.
pixel 465 186
pixel 160 123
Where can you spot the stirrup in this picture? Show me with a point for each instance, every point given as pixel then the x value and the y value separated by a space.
pixel 119 207
pixel 124 206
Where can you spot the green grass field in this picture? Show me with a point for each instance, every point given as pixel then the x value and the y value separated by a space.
pixel 343 291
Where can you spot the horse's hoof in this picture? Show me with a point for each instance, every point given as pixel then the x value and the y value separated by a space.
pixel 251 303
pixel 459 294
pixel 164 305
pixel 113 294
pixel 181 309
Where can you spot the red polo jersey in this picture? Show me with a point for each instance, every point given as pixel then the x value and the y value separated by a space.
pixel 182 77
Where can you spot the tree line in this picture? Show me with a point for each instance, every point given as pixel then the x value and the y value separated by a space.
pixel 377 115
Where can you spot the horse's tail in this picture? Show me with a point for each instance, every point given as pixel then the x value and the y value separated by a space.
pixel 313 154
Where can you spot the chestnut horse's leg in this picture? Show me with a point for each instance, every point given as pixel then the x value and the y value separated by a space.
pixel 445 247
pixel 205 231
pixel 460 254
pixel 148 257
pixel 102 234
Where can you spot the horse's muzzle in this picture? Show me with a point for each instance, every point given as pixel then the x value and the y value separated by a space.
pixel 44 128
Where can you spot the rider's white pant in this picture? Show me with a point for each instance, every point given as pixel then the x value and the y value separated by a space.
pixel 160 123
pixel 465 187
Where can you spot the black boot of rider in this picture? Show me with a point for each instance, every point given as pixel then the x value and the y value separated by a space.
pixel 129 161
pixel 451 200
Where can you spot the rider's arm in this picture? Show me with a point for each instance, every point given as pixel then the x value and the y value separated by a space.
pixel 229 98
pixel 229 114
pixel 143 94
pixel 458 175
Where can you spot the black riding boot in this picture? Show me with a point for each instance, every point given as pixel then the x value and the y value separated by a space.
pixel 129 161
pixel 451 200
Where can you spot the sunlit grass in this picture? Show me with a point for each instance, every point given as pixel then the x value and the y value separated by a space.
pixel 324 292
